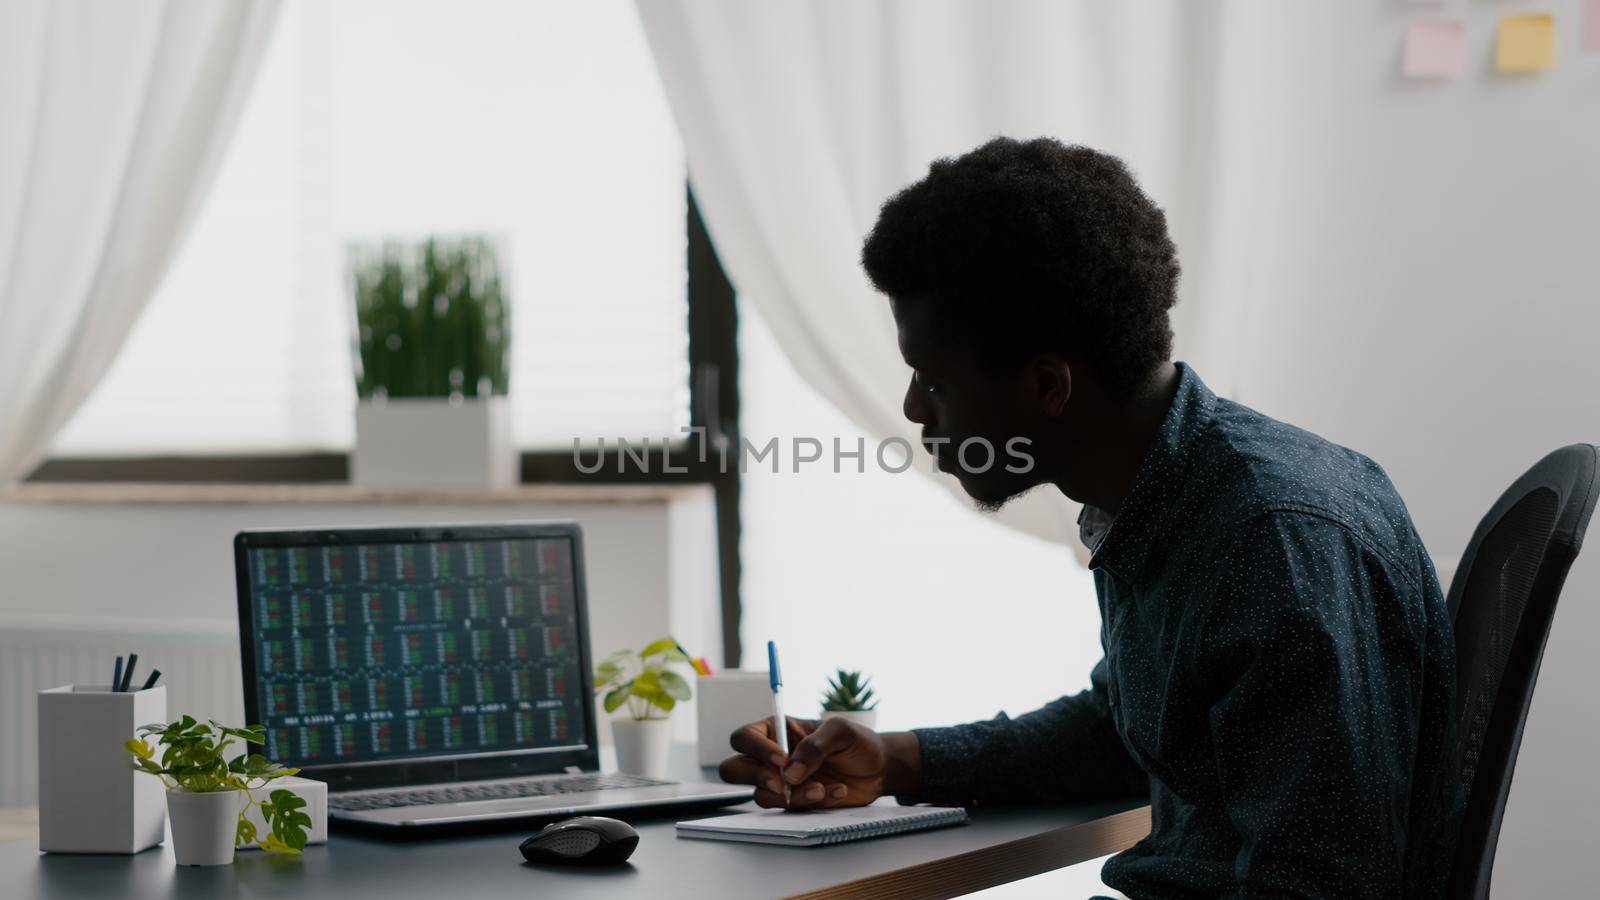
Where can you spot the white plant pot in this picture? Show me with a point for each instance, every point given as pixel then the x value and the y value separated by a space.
pixel 204 826
pixel 642 746
pixel 434 442
pixel 867 717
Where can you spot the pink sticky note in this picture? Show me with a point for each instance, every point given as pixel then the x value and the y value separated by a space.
pixel 1435 50
pixel 1591 26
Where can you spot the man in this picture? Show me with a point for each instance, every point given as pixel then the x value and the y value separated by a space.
pixel 1279 666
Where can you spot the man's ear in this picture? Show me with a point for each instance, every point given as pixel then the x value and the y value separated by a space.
pixel 1052 378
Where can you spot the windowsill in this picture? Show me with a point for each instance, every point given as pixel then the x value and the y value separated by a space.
pixel 109 493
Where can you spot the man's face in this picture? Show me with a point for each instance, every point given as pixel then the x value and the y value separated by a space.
pixel 970 413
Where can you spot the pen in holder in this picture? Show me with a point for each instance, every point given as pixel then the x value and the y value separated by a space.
pixel 90 798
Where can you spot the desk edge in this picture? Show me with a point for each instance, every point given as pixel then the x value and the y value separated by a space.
pixel 999 864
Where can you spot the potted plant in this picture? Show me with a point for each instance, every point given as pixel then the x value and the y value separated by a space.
pixel 208 795
pixel 849 696
pixel 433 349
pixel 644 687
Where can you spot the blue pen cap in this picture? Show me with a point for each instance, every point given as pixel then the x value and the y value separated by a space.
pixel 773 671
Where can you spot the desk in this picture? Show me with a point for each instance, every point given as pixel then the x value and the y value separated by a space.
pixel 999 845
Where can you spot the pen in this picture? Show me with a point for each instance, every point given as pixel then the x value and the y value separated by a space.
pixel 780 725
pixel 127 673
pixel 151 681
pixel 116 676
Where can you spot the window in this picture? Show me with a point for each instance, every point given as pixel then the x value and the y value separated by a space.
pixel 541 123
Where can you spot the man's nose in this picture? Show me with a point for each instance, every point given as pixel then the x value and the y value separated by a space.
pixel 915 405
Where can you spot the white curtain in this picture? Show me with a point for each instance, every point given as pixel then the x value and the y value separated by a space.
pixel 800 118
pixel 113 116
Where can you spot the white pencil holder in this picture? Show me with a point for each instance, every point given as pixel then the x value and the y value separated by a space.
pixel 727 700
pixel 90 798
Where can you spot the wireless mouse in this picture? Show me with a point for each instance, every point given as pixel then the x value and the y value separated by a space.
pixel 582 841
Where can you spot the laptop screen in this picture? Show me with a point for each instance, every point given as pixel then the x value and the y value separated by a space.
pixel 367 652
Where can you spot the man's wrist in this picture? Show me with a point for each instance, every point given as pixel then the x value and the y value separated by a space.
pixel 902 774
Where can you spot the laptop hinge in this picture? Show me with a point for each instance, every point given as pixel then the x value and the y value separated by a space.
pixel 574 770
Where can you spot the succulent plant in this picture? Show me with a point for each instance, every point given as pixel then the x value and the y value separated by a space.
pixel 848 692
pixel 431 319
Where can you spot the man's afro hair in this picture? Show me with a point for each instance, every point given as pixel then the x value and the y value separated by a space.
pixel 1024 247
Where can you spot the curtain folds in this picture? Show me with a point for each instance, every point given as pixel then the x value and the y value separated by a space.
pixel 800 118
pixel 115 117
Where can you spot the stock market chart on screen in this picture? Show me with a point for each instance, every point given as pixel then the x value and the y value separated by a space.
pixel 388 650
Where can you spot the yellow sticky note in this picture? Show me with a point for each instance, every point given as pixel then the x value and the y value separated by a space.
pixel 1527 43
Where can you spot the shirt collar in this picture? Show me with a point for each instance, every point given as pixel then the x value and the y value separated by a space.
pixel 1093 523
pixel 1122 548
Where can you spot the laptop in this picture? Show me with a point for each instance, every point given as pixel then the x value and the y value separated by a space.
pixel 434 675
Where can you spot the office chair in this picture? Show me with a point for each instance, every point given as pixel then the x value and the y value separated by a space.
pixel 1501 601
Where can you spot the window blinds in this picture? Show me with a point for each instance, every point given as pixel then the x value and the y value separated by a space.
pixel 542 124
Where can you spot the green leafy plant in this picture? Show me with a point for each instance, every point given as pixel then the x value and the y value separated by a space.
pixel 642 681
pixel 848 692
pixel 193 758
pixel 431 318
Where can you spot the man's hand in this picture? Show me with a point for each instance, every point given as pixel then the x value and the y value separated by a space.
pixel 836 763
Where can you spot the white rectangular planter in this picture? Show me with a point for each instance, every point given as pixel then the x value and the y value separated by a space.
pixel 314 793
pixel 433 442
pixel 90 798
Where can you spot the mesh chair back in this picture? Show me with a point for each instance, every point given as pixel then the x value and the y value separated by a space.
pixel 1501 602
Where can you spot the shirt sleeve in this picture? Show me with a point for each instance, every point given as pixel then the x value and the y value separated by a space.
pixel 1315 709
pixel 1068 750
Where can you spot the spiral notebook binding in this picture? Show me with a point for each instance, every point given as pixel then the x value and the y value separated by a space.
pixel 859 830
pixel 776 827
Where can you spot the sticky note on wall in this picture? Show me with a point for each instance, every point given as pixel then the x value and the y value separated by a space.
pixel 1526 42
pixel 1435 50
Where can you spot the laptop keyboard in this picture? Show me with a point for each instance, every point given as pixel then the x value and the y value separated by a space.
pixel 546 786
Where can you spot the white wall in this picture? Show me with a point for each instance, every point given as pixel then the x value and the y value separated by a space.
pixel 1425 274
pixel 155 561
pixel 115 571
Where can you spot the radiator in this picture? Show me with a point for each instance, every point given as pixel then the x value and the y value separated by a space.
pixel 199 663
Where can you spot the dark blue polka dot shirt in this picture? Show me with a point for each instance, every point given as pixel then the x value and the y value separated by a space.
pixel 1278 676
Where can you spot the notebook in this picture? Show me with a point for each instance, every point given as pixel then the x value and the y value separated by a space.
pixel 829 826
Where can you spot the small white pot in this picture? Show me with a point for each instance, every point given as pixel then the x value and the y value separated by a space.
pixel 867 717
pixel 642 746
pixel 204 826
